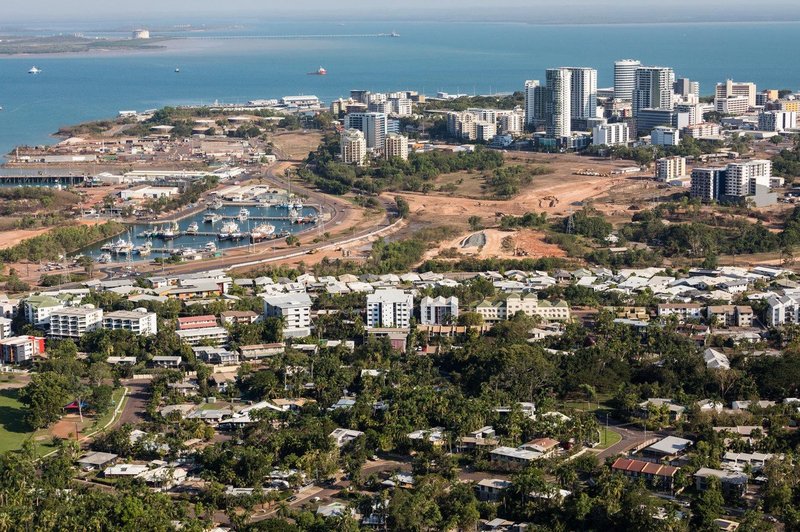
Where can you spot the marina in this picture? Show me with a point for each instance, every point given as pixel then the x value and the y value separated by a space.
pixel 206 232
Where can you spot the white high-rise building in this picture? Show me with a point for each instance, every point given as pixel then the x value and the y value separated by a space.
pixel 734 88
pixel 611 134
pixel 389 308
pixel 669 168
pixel 624 78
pixel 694 110
pixel 558 105
pixel 743 177
pixel 353 147
pixel 512 124
pixel 533 103
pixel 652 88
pixel 396 146
pixel 583 92
pixel 665 136
pixel 372 125
pixel 777 120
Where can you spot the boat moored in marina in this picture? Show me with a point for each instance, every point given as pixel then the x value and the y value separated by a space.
pixel 212 218
pixel 244 214
pixel 262 232
pixel 193 229
pixel 229 231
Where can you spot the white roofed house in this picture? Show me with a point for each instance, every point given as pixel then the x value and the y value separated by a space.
pixel 716 359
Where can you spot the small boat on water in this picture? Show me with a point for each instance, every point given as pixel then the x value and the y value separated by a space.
pixel 318 72
pixel 105 258
pixel 34 71
pixel 210 247
pixel 244 214
pixel 212 218
pixel 216 204
pixel 193 229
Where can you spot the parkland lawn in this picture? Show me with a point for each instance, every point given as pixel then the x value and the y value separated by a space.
pixel 13 430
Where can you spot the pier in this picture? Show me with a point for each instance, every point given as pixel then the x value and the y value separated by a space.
pixel 41 180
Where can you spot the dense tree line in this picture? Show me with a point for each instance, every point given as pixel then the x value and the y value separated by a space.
pixel 60 241
pixel 416 174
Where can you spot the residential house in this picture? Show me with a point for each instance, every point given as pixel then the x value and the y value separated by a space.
pixel 259 351
pixel 490 489
pixel 659 476
pixel 167 361
pixel 732 482
pixel 483 437
pixel 344 436
pixel 716 359
pixel 96 460
pixel 512 457
pixel 547 447
pixel 233 317
pixel 667 450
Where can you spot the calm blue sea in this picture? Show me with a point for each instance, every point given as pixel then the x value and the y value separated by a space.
pixel 429 57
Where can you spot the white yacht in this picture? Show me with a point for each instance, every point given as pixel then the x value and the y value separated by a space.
pixel 192 229
pixel 34 71
pixel 244 214
pixel 228 230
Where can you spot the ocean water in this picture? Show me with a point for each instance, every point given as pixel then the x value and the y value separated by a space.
pixel 428 57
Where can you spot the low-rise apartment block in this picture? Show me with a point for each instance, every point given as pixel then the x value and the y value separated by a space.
pixel 389 308
pixel 20 349
pixel 731 315
pixel 684 311
pixel 529 304
pixel 438 310
pixel 294 309
pixel 74 322
pixel 139 321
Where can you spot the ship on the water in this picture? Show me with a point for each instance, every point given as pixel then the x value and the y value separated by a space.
pixel 262 232
pixel 319 72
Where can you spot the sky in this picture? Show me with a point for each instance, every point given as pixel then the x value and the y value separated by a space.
pixel 532 11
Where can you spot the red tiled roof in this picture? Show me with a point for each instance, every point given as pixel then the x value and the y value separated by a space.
pixel 641 467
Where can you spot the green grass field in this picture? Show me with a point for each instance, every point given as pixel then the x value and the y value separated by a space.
pixel 13 430
pixel 608 438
